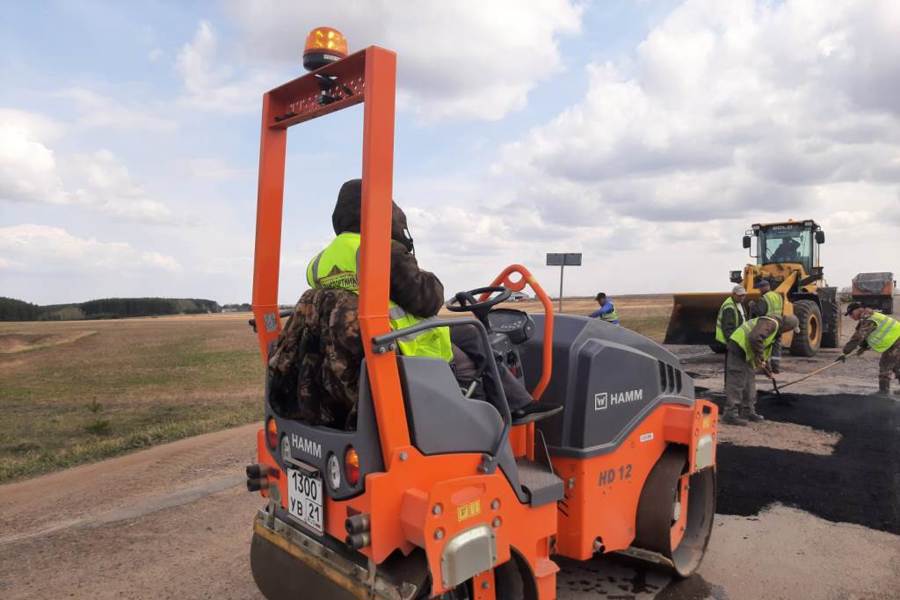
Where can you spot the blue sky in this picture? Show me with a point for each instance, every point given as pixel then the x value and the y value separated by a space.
pixel 647 135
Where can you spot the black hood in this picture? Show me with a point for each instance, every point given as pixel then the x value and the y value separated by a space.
pixel 347 214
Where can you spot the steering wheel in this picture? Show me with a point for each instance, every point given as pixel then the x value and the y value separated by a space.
pixel 466 302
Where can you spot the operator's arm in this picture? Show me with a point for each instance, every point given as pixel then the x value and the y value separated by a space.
pixel 606 308
pixel 865 327
pixel 597 313
pixel 729 322
pixel 418 292
pixel 757 338
pixel 758 308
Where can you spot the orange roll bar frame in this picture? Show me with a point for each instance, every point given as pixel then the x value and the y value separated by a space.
pixel 367 76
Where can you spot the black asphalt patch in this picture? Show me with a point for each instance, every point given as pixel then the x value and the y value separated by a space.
pixel 859 483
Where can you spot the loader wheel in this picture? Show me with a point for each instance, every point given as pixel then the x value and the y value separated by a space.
pixel 675 512
pixel 807 342
pixel 831 317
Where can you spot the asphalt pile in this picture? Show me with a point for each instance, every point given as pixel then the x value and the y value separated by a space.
pixel 859 483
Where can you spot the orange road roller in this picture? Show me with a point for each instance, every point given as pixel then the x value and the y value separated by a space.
pixel 437 494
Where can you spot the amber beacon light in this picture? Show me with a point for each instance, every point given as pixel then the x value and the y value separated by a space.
pixel 324 45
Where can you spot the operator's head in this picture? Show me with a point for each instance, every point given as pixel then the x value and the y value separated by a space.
pixel 790 323
pixel 738 293
pixel 600 298
pixel 855 311
pixel 763 285
pixel 347 215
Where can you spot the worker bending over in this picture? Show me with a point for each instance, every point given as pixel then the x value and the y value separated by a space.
pixel 880 333
pixel 749 349
pixel 607 311
pixel 770 304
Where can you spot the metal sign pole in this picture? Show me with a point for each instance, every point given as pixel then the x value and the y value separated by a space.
pixel 572 259
pixel 562 269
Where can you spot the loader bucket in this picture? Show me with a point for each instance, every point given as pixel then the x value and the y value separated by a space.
pixel 693 320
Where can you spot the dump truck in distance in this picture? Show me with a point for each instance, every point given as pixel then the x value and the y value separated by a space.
pixel 875 290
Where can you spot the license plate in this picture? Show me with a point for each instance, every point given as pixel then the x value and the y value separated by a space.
pixel 305 499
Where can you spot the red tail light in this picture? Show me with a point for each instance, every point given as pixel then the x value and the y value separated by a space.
pixel 351 466
pixel 272 434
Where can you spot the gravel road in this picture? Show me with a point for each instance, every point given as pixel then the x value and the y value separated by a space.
pixel 808 509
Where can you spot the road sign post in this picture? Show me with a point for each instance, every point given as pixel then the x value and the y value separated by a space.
pixel 563 260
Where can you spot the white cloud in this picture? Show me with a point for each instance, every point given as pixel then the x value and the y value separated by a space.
pixel 104 184
pixel 40 249
pixel 215 169
pixel 463 59
pixel 102 112
pixel 27 164
pixel 729 113
pixel 30 173
pixel 211 84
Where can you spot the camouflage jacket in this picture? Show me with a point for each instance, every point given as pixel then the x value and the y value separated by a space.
pixel 314 367
pixel 858 339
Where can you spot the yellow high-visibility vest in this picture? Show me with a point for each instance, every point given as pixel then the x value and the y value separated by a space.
pixel 729 304
pixel 774 304
pixel 336 267
pixel 885 335
pixel 741 338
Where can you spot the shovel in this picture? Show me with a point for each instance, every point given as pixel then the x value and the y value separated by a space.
pixel 777 389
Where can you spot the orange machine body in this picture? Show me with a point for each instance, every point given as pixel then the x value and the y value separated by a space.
pixel 422 501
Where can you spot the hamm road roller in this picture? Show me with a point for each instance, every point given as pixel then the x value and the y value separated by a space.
pixel 436 494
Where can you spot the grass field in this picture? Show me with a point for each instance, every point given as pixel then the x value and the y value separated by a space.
pixel 73 392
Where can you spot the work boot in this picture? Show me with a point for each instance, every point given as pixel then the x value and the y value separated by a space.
pixel 775 367
pixel 884 391
pixel 732 417
pixel 535 411
pixel 752 416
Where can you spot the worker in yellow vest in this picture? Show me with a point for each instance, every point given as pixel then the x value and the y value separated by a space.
pixel 415 295
pixel 749 349
pixel 731 314
pixel 880 333
pixel 770 304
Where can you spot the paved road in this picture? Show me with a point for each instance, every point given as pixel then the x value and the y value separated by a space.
pixel 174 522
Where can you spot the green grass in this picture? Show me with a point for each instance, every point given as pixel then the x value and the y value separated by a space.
pixel 93 390
pixel 131 385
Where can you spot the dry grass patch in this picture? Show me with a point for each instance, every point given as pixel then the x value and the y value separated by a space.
pixel 85 391
pixel 122 385
pixel 645 314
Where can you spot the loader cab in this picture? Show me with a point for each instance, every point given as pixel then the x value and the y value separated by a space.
pixel 792 242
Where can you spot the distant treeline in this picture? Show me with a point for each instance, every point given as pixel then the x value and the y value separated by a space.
pixel 243 307
pixel 106 308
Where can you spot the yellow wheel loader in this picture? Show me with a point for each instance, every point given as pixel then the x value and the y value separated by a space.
pixel 788 256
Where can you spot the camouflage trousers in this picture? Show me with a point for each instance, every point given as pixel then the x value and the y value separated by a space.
pixel 889 363
pixel 740 380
